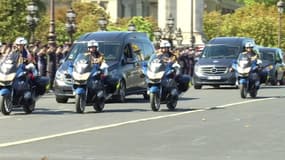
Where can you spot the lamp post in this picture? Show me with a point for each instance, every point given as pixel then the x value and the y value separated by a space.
pixel 192 37
pixel 132 27
pixel 280 5
pixel 70 24
pixel 168 33
pixel 157 35
pixel 103 23
pixel 51 34
pixel 32 19
pixel 179 37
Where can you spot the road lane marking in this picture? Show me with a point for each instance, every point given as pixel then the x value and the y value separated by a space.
pixel 6 117
pixel 2 145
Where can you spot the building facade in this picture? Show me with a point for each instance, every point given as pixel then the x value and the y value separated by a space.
pixel 162 9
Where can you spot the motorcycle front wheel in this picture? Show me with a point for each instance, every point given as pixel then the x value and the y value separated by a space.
pixel 154 101
pixel 5 105
pixel 80 103
pixel 243 91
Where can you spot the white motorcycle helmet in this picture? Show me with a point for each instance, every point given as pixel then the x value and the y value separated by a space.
pixel 21 41
pixel 164 44
pixel 249 45
pixel 92 43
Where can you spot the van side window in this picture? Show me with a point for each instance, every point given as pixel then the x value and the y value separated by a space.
pixel 127 52
pixel 279 56
pixel 137 51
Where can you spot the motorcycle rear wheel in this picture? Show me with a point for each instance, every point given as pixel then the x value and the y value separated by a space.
pixel 80 103
pixel 253 93
pixel 5 105
pixel 28 109
pixel 154 101
pixel 99 105
pixel 171 105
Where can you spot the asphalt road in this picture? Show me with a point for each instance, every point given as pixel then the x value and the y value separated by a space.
pixel 208 124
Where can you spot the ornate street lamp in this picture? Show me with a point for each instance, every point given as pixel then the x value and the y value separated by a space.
pixel 168 33
pixel 103 23
pixel 192 37
pixel 132 27
pixel 170 23
pixel 51 34
pixel 280 6
pixel 179 37
pixel 32 19
pixel 70 24
pixel 157 36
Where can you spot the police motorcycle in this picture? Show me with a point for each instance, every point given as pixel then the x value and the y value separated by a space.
pixel 248 78
pixel 163 82
pixel 19 85
pixel 88 83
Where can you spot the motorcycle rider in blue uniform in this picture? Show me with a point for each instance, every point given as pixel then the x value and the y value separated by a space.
pixel 253 57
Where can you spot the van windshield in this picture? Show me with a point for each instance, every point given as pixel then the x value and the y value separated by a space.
pixel 111 50
pixel 220 51
pixel 267 55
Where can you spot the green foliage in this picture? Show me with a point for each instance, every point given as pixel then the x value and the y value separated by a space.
pixel 252 2
pixel 13 18
pixel 258 21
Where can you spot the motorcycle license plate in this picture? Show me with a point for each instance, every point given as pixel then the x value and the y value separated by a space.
pixel 214 77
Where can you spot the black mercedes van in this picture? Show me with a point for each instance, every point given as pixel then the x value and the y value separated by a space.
pixel 212 67
pixel 124 52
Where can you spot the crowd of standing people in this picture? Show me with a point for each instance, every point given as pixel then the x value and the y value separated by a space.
pixel 185 56
pixel 45 57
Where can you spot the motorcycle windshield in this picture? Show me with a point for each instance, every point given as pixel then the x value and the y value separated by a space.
pixel 156 67
pixel 244 61
pixel 244 64
pixel 9 63
pixel 82 67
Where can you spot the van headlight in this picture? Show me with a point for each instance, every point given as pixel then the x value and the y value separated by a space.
pixel 197 69
pixel 59 76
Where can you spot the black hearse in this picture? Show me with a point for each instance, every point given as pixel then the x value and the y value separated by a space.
pixel 124 53
pixel 212 67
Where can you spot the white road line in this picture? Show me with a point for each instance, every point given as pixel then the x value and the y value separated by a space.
pixel 123 123
pixel 5 117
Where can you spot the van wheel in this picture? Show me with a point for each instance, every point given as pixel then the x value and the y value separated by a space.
pixel 216 86
pixel 274 80
pixel 197 86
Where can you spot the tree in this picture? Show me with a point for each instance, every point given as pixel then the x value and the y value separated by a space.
pixel 252 2
pixel 87 15
pixel 258 21
pixel 13 18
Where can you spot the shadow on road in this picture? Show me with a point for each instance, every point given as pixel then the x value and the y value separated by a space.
pixel 42 111
pixel 272 87
pixel 179 110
